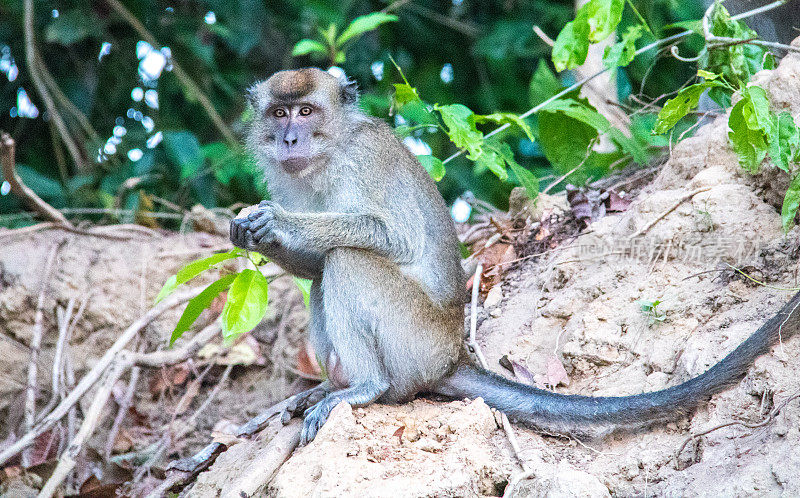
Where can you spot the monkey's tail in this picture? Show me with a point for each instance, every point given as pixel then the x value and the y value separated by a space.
pixel 589 415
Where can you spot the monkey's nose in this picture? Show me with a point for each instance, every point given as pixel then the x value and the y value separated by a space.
pixel 290 139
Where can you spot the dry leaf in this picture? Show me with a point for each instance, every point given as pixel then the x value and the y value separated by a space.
pixel 555 374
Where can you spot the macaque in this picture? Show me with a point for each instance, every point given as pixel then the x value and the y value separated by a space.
pixel 354 211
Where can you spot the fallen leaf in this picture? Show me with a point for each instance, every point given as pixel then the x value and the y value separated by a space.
pixel 523 373
pixel 555 374
pixel 617 203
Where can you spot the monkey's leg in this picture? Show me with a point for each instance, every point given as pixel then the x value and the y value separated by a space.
pixel 350 319
pixel 322 347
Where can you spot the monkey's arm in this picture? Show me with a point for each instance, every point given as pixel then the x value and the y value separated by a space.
pixel 270 228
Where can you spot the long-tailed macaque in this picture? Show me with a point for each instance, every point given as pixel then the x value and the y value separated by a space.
pixel 353 210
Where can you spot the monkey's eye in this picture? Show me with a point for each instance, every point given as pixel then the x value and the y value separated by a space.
pixel 305 110
pixel 279 113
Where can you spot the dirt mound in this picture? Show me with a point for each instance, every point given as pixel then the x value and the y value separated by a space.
pixel 583 303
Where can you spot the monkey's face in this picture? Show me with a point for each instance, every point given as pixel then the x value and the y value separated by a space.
pixel 295 127
pixel 299 116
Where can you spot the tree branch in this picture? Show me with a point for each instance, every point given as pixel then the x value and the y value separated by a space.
pixel 30 57
pixel 25 193
pixel 95 373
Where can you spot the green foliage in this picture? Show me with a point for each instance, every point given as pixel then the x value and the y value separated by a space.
pixel 246 304
pixel 305 289
pixel 72 26
pixel 247 298
pixel 736 63
pixel 183 148
pixel 682 104
pixel 650 310
pixel 197 304
pixel 594 22
pixel 784 141
pixel 755 131
pixel 333 45
pixel 433 165
pixel 790 203
pixel 363 24
pixel 621 53
pixel 194 269
pixel 750 124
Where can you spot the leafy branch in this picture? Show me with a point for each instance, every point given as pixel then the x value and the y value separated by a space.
pixel 332 44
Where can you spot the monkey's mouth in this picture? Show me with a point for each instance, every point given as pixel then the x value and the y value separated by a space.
pixel 295 164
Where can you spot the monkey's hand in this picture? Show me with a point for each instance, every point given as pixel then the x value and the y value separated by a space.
pixel 257 228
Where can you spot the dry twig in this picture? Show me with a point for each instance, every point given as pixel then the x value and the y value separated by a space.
pixel 67 461
pixel 672 208
pixel 95 373
pixel 767 420
pixel 36 344
pixel 25 193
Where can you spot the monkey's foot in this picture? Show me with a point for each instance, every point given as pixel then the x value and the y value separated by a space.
pixel 300 402
pixel 315 417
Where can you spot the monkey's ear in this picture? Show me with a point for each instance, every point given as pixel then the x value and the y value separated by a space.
pixel 349 92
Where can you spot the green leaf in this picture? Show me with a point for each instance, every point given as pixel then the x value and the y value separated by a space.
pixel 747 138
pixel 246 304
pixel 585 113
pixel 707 74
pixel 571 46
pixel 737 63
pixel 784 140
pixel 682 104
pixel 489 158
pixel 404 94
pixel 434 166
pixel 564 155
pixel 305 289
pixel 602 17
pixel 695 25
pixel 198 303
pixel 307 46
pixel 594 22
pixel 622 53
pixel 506 117
pixel 183 149
pixel 543 85
pixel 194 269
pixel 790 203
pixel 362 24
pixel 169 287
pixel 461 128
pixel 524 176
pixel 222 159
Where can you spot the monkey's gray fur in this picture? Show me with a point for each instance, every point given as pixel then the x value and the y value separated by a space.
pixel 353 210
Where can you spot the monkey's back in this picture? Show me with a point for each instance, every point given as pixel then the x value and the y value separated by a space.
pixel 410 197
